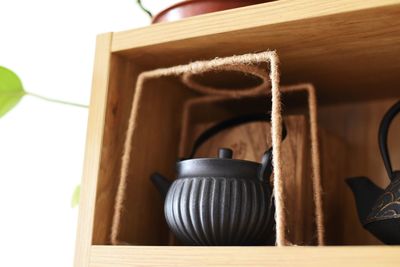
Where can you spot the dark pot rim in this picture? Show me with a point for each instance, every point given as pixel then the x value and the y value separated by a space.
pixel 217 167
pixel 159 17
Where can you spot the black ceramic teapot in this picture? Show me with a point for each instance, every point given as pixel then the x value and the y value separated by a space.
pixel 221 201
pixel 378 209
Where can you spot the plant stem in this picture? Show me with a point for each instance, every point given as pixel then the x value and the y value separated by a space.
pixel 139 2
pixel 57 101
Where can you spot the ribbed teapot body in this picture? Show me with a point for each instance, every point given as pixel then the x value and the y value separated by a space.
pixel 221 211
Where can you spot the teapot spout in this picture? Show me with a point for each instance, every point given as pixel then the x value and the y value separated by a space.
pixel 161 183
pixel 365 194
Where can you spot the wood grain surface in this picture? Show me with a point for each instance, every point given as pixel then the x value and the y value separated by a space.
pixel 154 149
pixel 372 256
pixel 328 43
pixel 122 75
pixel 347 49
pixel 93 150
pixel 350 148
pixel 251 140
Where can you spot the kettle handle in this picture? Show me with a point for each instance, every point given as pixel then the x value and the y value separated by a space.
pixel 383 136
pixel 229 123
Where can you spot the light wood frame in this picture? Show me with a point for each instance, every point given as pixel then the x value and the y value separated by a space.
pixel 318 41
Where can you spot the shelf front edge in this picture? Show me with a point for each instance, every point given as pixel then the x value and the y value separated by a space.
pixel 366 256
pixel 282 11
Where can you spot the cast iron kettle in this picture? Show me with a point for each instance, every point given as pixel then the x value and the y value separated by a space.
pixel 221 201
pixel 378 209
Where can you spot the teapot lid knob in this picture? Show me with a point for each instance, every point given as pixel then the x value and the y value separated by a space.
pixel 225 153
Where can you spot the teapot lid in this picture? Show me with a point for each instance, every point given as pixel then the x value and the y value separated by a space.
pixel 222 166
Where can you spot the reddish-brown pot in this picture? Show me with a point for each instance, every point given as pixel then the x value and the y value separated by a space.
pixel 196 7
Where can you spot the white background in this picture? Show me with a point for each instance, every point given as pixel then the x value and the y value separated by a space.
pixel 50 45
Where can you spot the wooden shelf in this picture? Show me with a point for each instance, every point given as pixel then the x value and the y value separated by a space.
pixel 317 41
pixel 348 49
pixel 286 12
pixel 115 256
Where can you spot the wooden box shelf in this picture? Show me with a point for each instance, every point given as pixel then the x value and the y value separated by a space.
pixel 113 256
pixel 348 49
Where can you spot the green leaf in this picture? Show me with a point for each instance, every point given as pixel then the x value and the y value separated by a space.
pixel 11 90
pixel 75 196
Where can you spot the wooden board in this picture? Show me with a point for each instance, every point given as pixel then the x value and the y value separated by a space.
pixel 117 256
pixel 333 168
pixel 350 148
pixel 93 150
pixel 347 49
pixel 121 87
pixel 249 142
pixel 154 149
